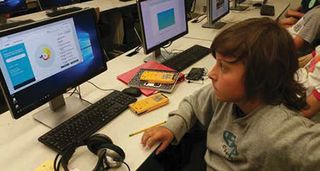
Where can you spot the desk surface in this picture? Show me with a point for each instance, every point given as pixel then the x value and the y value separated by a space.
pixel 196 31
pixel 20 149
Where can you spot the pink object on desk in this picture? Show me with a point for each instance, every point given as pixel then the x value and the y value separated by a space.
pixel 127 76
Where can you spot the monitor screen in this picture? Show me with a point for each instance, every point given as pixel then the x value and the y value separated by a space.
pixel 11 6
pixel 219 8
pixel 42 60
pixel 161 21
pixel 48 4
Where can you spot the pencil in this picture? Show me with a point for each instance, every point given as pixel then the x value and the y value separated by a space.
pixel 142 130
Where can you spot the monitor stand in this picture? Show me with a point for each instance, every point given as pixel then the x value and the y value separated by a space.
pixel 59 110
pixel 238 7
pixel 159 56
pixel 215 25
pixel 3 19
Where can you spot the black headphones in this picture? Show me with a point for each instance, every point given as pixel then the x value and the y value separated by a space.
pixel 109 155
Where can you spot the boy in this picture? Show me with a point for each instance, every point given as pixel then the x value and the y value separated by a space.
pixel 251 109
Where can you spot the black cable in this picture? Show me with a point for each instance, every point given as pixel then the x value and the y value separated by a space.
pixel 202 19
pixel 126 165
pixel 56 166
pixel 74 91
pixel 80 97
pixel 196 20
pixel 194 6
pixel 86 101
pixel 166 46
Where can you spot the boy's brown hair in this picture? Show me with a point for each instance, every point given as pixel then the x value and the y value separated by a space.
pixel 268 54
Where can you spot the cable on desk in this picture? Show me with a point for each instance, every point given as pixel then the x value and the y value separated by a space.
pixel 99 87
pixel 196 20
pixel 126 165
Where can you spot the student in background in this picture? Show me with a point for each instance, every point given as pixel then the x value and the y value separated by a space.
pixel 306 32
pixel 309 76
pixel 293 15
pixel 251 110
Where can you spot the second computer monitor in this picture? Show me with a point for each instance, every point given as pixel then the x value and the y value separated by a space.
pixel 161 21
pixel 216 10
pixel 51 4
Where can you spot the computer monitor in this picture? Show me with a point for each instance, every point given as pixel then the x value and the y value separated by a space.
pixel 10 6
pixel 216 10
pixel 162 21
pixel 54 4
pixel 41 61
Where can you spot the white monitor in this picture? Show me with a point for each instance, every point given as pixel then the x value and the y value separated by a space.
pixel 162 21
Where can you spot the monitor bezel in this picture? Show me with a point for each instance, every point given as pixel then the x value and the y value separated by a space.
pixel 210 19
pixel 61 91
pixel 56 6
pixel 165 42
pixel 23 7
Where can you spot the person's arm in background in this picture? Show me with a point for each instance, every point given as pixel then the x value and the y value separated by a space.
pixel 294 13
pixel 291 17
pixel 313 101
pixel 313 98
pixel 303 60
pixel 299 42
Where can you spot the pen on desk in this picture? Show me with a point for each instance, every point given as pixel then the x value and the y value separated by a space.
pixel 142 130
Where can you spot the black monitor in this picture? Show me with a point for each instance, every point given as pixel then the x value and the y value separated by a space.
pixel 216 10
pixel 11 6
pixel 54 4
pixel 41 61
pixel 162 21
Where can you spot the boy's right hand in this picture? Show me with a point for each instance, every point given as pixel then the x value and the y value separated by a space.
pixel 157 134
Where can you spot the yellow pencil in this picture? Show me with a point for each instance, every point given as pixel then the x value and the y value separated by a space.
pixel 138 132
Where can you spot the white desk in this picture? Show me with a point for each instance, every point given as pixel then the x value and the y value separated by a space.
pixel 20 149
pixel 196 31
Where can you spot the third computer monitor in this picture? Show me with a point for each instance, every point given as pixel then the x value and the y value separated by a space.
pixel 216 10
pixel 161 21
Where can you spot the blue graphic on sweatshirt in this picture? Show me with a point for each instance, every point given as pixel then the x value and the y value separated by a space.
pixel 230 149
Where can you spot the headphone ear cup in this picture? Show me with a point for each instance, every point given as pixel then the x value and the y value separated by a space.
pixel 95 141
pixel 114 154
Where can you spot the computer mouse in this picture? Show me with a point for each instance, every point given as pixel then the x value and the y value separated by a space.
pixel 132 91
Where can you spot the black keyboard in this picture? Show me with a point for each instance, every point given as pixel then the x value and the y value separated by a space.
pixel 63 11
pixel 87 122
pixel 186 58
pixel 15 24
